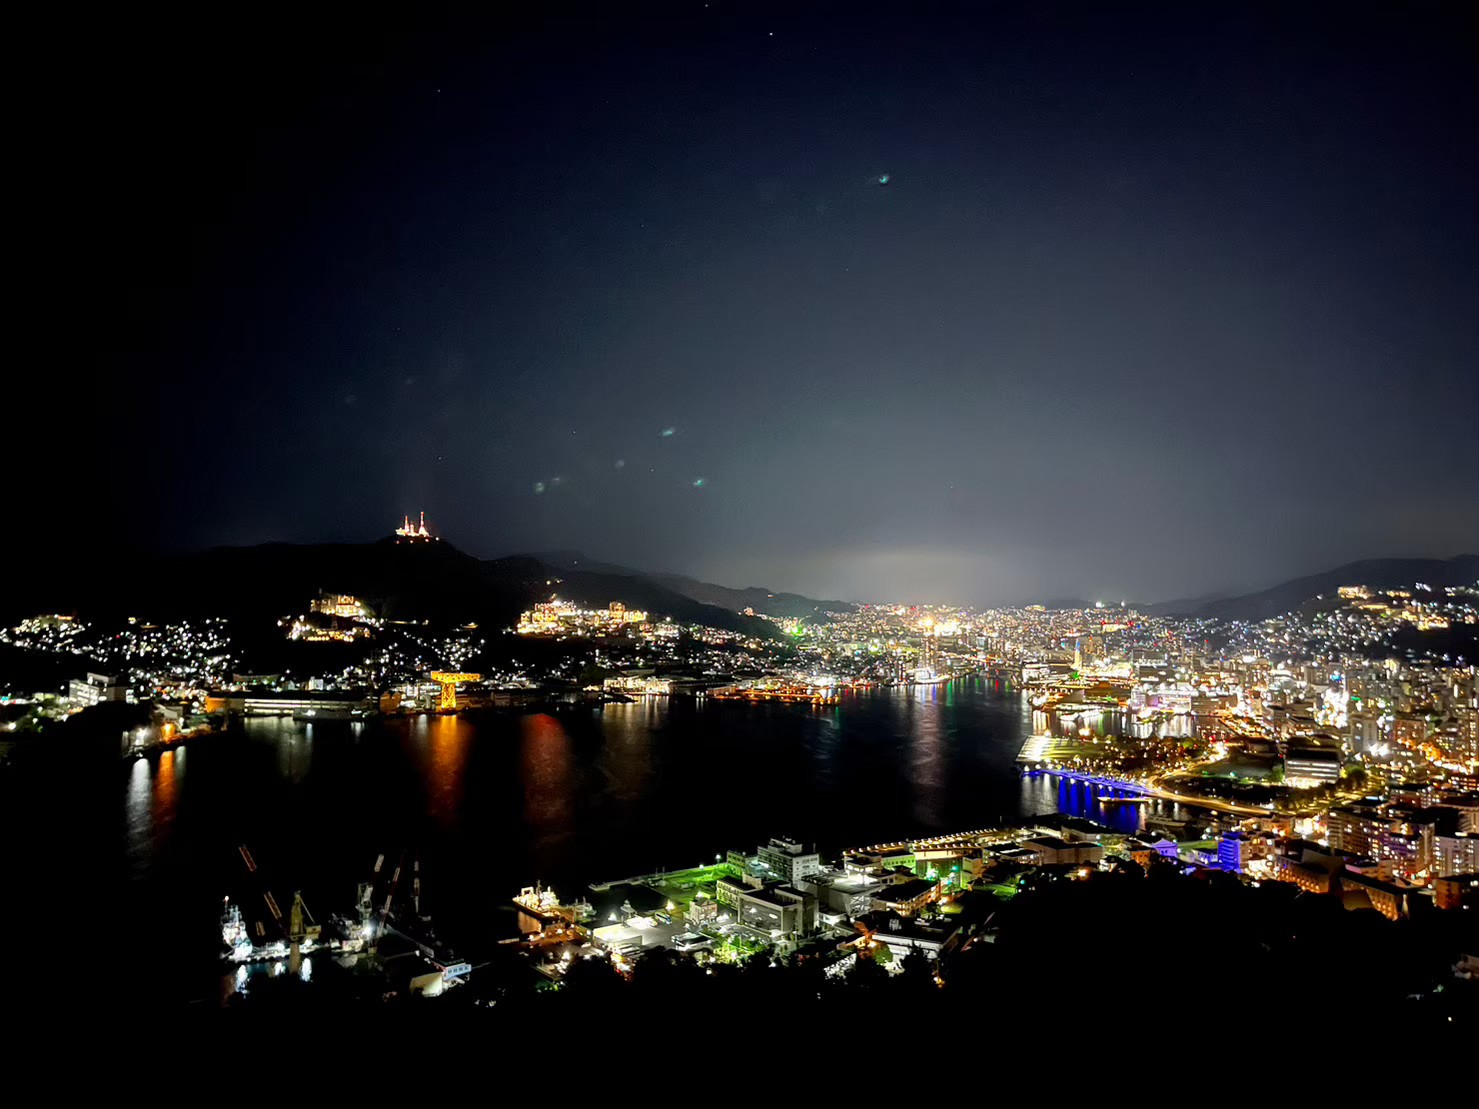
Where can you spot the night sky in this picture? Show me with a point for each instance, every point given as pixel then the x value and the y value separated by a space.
pixel 974 303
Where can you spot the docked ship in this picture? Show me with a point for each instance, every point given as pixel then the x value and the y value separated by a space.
pixel 790 693
pixel 291 936
pixel 325 715
pixel 236 941
pixel 544 905
pixel 926 675
pixel 238 945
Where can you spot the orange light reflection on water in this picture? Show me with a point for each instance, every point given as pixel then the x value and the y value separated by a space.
pixel 450 739
pixel 545 757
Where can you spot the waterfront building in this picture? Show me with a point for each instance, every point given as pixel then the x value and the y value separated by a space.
pixel 639 685
pixel 788 860
pixel 906 898
pixel 905 936
pixel 1052 850
pixel 727 891
pixel 850 895
pixel 307 703
pixel 95 688
pixel 776 908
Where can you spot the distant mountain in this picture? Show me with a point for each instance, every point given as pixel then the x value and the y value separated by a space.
pixel 1062 603
pixel 755 597
pixel 401 581
pixel 1378 573
pixel 597 588
pixel 575 560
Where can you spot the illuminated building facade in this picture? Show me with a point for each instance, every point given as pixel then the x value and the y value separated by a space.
pixel 95 688
pixel 338 604
pixel 1450 890
pixel 1457 853
pixel 1312 764
pixel 777 909
pixel 556 617
pixel 788 860
pixel 1232 852
pixel 639 685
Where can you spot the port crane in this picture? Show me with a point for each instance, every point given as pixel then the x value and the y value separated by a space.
pixel 366 889
pixel 300 926
pixel 399 913
pixel 449 680
pixel 400 910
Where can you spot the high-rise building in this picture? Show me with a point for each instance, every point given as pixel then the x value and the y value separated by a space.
pixel 1456 854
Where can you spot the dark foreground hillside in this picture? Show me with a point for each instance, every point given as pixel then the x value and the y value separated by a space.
pixel 1114 952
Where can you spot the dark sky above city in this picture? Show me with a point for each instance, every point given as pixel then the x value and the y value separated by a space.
pixel 978 303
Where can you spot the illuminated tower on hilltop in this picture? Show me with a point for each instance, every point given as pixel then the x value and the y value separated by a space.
pixel 407 530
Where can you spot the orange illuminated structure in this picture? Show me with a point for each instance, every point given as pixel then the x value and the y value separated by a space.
pixel 449 681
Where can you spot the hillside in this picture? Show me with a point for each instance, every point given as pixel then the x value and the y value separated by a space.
pixel 755 597
pixel 1378 573
pixel 758 598
pixel 401 581
pixel 598 589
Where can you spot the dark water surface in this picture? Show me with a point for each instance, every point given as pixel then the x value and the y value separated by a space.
pixel 494 803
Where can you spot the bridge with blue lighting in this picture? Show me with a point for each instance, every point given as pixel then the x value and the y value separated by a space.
pixel 1097 780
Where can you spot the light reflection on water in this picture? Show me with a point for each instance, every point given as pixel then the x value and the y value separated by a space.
pixel 1111 721
pixel 294 744
pixel 927 770
pixel 625 758
pixel 889 761
pixel 450 740
pixel 138 812
pixel 1043 794
pixel 493 803
pixel 545 760
pixel 151 804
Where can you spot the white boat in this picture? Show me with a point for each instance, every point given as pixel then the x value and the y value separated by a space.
pixel 236 941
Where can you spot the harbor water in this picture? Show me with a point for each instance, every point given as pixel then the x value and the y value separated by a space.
pixel 493 803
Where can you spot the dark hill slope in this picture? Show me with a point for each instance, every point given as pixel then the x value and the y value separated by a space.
pixel 755 597
pixel 1378 573
pixel 401 581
